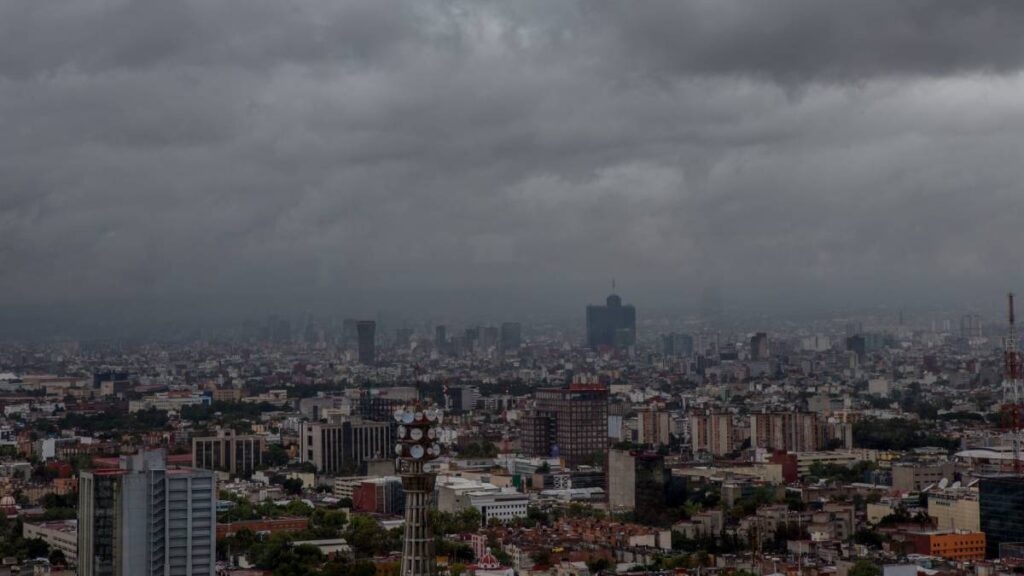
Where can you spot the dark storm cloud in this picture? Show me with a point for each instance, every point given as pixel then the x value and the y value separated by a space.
pixel 780 150
pixel 799 40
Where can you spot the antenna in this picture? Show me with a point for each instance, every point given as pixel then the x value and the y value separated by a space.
pixel 1012 385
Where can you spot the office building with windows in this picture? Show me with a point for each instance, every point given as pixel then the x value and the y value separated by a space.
pixel 239 455
pixel 145 519
pixel 570 423
pixel 344 446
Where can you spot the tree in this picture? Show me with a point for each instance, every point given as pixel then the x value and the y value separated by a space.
pixel 542 557
pixel 276 456
pixel 292 486
pixel 57 557
pixel 865 567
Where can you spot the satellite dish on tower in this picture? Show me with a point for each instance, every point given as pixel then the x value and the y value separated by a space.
pixel 943 484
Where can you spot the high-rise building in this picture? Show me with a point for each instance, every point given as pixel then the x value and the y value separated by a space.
pixel 240 455
pixel 612 325
pixel 970 326
pixel 463 398
pixel 143 519
pixel 571 423
pixel 441 338
pixel 789 431
pixel 511 336
pixel 653 427
pixel 344 446
pixel 349 333
pixel 712 433
pixel 367 331
pixel 676 344
pixel 403 338
pixel 489 338
pixel 1001 503
pixel 637 482
pixel 759 346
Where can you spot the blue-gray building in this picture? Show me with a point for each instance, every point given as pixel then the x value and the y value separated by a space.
pixel 612 325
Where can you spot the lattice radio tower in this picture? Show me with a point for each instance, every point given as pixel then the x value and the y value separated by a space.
pixel 1013 385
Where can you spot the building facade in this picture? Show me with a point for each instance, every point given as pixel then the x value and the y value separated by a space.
pixel 239 455
pixel 143 519
pixel 344 446
pixel 1001 506
pixel 612 325
pixel 789 431
pixel 712 433
pixel 654 427
pixel 570 423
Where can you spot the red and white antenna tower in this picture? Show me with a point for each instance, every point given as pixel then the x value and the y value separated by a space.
pixel 1012 386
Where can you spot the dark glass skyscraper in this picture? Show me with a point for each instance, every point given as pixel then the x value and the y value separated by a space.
pixel 612 325
pixel 367 331
pixel 1001 503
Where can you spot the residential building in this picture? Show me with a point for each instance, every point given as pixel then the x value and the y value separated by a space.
pixel 790 431
pixel 653 427
pixel 712 433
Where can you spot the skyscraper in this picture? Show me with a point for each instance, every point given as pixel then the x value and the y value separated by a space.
pixel 759 346
pixel 367 331
pixel 612 325
pixel 143 519
pixel 511 336
pixel 569 422
pixel 441 338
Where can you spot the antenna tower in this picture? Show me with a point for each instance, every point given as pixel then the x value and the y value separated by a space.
pixel 1012 386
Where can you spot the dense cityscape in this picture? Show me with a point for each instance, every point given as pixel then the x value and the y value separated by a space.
pixel 511 288
pixel 853 446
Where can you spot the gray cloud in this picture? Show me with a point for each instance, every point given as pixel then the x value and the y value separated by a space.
pixel 360 152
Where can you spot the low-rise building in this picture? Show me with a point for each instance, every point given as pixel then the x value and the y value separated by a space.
pixel 60 535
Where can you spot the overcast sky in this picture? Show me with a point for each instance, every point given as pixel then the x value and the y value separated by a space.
pixel 786 151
